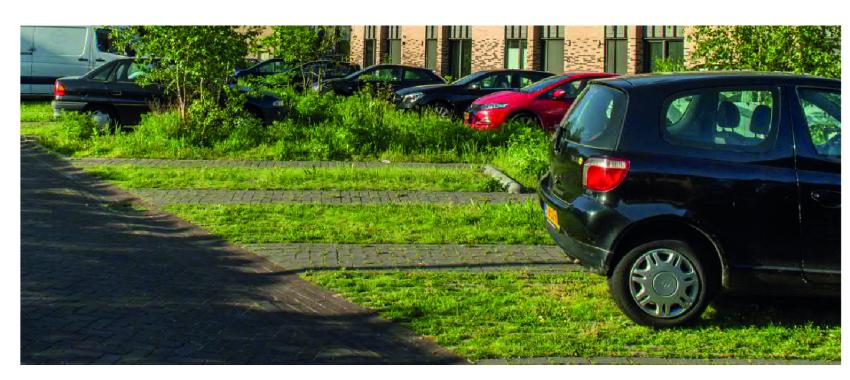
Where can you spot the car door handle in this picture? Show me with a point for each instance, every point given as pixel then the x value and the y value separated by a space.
pixel 83 59
pixel 100 60
pixel 116 93
pixel 827 198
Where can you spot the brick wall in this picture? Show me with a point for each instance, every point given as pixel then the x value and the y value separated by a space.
pixel 488 47
pixel 413 45
pixel 584 48
pixel 357 34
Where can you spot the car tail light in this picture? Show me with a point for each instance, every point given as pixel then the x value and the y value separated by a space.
pixel 58 89
pixel 604 173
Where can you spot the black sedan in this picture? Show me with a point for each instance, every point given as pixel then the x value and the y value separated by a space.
pixel 395 77
pixel 110 93
pixel 452 99
pixel 305 73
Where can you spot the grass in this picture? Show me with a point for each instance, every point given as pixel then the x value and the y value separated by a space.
pixel 36 111
pixel 364 224
pixel 338 178
pixel 516 314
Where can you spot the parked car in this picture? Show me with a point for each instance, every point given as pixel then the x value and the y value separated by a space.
pixel 394 77
pixel 542 103
pixel 112 95
pixel 681 185
pixel 51 52
pixel 453 98
pixel 305 73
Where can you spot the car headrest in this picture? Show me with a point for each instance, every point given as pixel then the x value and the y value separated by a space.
pixel 760 122
pixel 728 115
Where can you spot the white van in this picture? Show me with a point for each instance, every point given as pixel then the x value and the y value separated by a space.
pixel 51 52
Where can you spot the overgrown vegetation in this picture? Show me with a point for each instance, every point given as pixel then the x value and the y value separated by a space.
pixel 335 178
pixel 36 111
pixel 516 223
pixel 807 49
pixel 318 127
pixel 517 314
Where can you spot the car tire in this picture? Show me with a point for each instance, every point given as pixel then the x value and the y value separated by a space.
pixel 441 109
pixel 524 119
pixel 663 283
pixel 104 117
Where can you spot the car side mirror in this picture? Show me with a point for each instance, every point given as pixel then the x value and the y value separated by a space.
pixel 559 94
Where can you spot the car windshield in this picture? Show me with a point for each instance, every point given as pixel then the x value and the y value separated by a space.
pixel 469 78
pixel 541 84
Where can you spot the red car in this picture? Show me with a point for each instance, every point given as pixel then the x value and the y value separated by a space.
pixel 542 103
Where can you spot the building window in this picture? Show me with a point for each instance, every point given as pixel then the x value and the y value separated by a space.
pixel 369 46
pixel 516 44
pixel 392 43
pixel 616 49
pixel 431 47
pixel 343 42
pixel 663 42
pixel 552 48
pixel 460 51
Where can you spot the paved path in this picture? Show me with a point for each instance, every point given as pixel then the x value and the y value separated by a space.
pixel 300 256
pixel 336 197
pixel 101 283
pixel 262 163
pixel 649 361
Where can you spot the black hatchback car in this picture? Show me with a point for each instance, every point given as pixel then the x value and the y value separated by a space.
pixel 681 185
pixel 453 98
pixel 394 77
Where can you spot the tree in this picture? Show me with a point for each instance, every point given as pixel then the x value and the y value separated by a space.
pixel 801 49
pixel 296 43
pixel 191 63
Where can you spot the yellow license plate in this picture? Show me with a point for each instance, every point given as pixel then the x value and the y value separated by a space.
pixel 466 117
pixel 551 216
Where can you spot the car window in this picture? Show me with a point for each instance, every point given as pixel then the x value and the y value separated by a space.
pixel 416 75
pixel 822 111
pixel 495 81
pixel 541 84
pixel 271 67
pixel 572 88
pixel 382 74
pixel 596 118
pixel 739 119
pixel 102 73
pixel 129 71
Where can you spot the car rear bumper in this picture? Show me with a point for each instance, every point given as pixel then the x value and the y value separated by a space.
pixel 64 105
pixel 571 236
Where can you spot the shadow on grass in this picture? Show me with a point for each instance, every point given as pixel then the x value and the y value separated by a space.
pixel 737 310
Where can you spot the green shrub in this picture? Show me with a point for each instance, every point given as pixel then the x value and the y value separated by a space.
pixel 79 125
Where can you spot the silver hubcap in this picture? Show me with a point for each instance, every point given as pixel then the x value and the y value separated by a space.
pixel 441 111
pixel 664 283
pixel 101 118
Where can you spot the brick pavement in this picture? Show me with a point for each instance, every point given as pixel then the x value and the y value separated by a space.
pixel 102 283
pixel 301 256
pixel 338 197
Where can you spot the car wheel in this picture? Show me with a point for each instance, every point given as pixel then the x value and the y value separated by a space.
pixel 524 119
pixel 663 283
pixel 103 117
pixel 441 109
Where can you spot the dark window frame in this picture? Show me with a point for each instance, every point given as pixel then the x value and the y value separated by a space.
pixel 370 40
pixel 460 38
pixel 619 35
pixel 516 34
pixel 665 35
pixel 551 33
pixel 431 43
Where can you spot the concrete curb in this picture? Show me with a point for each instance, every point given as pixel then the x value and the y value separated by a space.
pixel 508 183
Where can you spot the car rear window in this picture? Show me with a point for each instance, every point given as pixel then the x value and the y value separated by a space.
pixel 596 118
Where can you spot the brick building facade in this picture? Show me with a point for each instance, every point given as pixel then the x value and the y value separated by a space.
pixel 458 50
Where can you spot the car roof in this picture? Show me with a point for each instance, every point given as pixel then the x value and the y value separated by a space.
pixel 715 78
pixel 513 71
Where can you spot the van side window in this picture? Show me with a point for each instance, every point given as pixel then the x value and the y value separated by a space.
pixel 822 111
pixel 740 119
